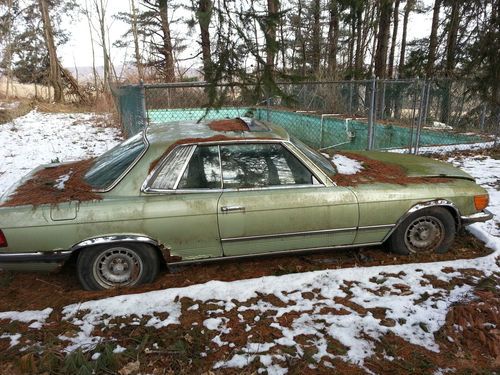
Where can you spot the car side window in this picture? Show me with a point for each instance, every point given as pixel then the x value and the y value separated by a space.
pixel 203 170
pixel 260 165
pixel 172 167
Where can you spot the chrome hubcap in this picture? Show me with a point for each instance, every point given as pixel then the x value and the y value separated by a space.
pixel 424 234
pixel 117 266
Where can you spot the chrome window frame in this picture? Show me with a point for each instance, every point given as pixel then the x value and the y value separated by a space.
pixel 146 186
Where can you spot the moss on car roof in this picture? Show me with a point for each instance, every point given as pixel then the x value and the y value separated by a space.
pixel 240 128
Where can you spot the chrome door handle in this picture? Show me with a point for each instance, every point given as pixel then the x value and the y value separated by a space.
pixel 232 208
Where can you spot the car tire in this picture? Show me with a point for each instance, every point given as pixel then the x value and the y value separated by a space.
pixel 428 230
pixel 117 265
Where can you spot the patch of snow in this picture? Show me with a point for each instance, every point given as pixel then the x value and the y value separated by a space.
pixel 346 165
pixel 119 349
pixel 36 317
pixel 95 356
pixel 444 149
pixel 41 138
pixel 9 105
pixel 14 338
pixel 61 181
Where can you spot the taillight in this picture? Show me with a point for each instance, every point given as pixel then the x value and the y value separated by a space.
pixel 3 240
pixel 481 201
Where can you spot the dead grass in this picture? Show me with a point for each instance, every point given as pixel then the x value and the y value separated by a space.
pixel 7 115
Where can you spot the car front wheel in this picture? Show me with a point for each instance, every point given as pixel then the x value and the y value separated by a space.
pixel 428 230
pixel 117 265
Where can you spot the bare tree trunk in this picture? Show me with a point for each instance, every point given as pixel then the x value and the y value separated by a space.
pixel 8 48
pixel 54 73
pixel 408 9
pixel 167 50
pixel 433 39
pixel 333 38
pixel 272 18
pixel 94 70
pixel 451 45
pixel 376 15
pixel 359 56
pixel 137 52
pixel 390 71
pixel 283 44
pixel 350 46
pixel 316 37
pixel 383 38
pixel 204 15
pixel 100 9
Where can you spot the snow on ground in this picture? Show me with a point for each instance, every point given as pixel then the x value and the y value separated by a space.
pixel 41 138
pixel 341 305
pixel 346 165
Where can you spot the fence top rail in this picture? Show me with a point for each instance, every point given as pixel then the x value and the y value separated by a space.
pixel 236 84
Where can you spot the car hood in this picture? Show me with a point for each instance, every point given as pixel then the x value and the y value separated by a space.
pixel 417 166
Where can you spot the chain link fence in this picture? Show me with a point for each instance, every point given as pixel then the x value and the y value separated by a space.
pixel 413 116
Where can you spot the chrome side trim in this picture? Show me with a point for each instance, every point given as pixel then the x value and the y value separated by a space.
pixel 482 216
pixel 421 206
pixel 39 257
pixel 290 234
pixel 374 227
pixel 113 239
pixel 284 252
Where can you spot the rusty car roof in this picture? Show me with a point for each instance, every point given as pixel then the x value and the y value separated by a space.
pixel 247 128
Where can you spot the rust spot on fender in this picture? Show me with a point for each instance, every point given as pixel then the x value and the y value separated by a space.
pixel 41 187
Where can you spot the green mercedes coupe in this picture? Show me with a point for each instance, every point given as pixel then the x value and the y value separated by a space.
pixel 190 192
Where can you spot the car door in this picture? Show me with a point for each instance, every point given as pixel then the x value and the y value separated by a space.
pixel 272 202
pixel 181 202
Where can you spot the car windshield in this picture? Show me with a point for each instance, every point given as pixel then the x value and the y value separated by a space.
pixel 108 167
pixel 318 158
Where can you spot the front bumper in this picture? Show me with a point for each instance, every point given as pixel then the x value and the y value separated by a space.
pixel 482 216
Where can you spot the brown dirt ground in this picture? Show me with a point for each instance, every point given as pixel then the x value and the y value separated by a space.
pixel 28 291
pixel 176 349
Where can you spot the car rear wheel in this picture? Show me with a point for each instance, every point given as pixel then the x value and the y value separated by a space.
pixel 428 230
pixel 117 265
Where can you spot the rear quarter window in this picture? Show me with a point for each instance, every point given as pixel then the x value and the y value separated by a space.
pixel 108 167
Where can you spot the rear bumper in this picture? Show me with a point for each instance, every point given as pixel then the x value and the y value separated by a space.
pixel 482 216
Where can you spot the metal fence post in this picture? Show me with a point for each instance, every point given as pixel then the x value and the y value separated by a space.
pixel 350 97
pixel 382 110
pixel 497 135
pixel 420 115
pixel 371 115
pixel 410 144
pixel 427 96
pixel 144 109
pixel 482 118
